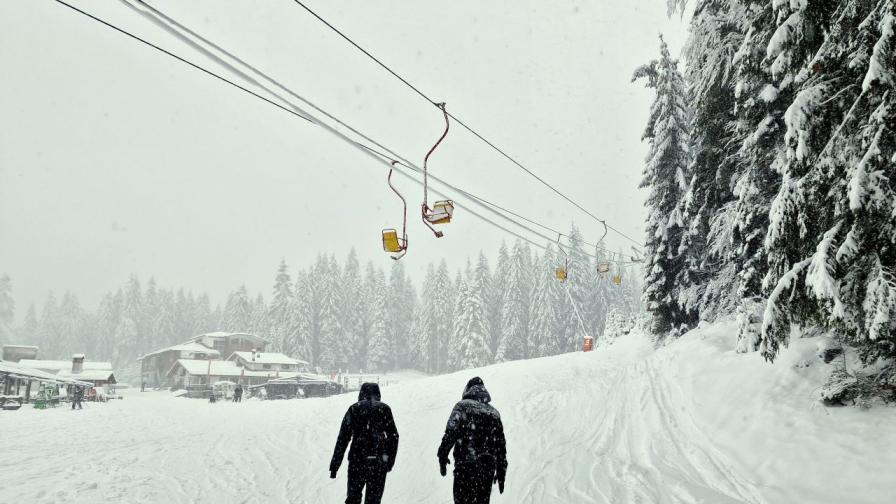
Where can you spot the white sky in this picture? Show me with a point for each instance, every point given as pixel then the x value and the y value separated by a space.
pixel 116 159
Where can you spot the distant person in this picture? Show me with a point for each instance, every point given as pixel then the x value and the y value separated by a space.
pixel 476 434
pixel 238 393
pixel 77 397
pixel 211 396
pixel 143 386
pixel 369 425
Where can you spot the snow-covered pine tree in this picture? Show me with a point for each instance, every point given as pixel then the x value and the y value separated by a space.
pixel 707 280
pixel 440 318
pixel 28 333
pixel 495 297
pixel 837 193
pixel 665 176
pixel 199 317
pixel 72 326
pixel 369 316
pixel 517 305
pixel 259 325
pixel 380 355
pixel 164 324
pixel 278 312
pixel 7 309
pixel 150 313
pixel 131 328
pixel 352 310
pixel 545 330
pixel 237 311
pixel 299 328
pixel 402 301
pixel 427 340
pixel 335 353
pixel 470 326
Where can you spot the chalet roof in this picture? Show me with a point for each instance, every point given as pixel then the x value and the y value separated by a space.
pixel 64 365
pixel 221 334
pixel 189 346
pixel 267 358
pixel 90 375
pixel 198 367
pixel 15 369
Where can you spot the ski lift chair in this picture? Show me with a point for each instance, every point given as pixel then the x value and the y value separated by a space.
pixel 440 213
pixel 394 245
pixel 560 273
pixel 603 267
pixel 617 279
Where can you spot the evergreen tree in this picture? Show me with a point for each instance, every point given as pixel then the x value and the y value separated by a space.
pixel 517 303
pixel 544 334
pixel 831 234
pixel 380 355
pixel 495 297
pixel 49 333
pixel 470 327
pixel 238 311
pixel 7 309
pixel 30 327
pixel 299 329
pixel 665 176
pixel 278 313
pixel 335 353
pixel 352 312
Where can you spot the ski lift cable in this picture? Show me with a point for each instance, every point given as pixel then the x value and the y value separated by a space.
pixel 308 117
pixel 183 60
pixel 467 127
pixel 181 31
pixel 291 110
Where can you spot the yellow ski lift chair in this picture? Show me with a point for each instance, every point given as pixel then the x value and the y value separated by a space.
pixel 392 243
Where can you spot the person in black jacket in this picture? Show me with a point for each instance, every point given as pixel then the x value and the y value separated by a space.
pixel 369 425
pixel 476 434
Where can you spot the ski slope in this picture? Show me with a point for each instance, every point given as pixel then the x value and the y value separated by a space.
pixel 692 422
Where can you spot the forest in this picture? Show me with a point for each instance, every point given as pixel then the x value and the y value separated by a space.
pixel 772 175
pixel 342 317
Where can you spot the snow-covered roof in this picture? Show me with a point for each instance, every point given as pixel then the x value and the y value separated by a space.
pixel 220 334
pixel 89 375
pixel 62 365
pixel 28 372
pixel 79 356
pixel 189 346
pixel 222 368
pixel 267 358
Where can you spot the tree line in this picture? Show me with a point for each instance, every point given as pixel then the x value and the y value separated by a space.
pixel 345 317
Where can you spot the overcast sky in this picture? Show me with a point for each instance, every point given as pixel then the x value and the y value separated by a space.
pixel 118 160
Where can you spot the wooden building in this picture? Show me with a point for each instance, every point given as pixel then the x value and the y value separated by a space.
pixel 155 366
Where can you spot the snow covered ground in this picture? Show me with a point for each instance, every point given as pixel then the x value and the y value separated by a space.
pixel 692 422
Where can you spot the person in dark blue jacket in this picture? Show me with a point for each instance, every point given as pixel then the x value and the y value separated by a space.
pixel 369 426
pixel 476 435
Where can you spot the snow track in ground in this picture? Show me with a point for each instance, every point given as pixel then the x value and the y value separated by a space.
pixel 690 423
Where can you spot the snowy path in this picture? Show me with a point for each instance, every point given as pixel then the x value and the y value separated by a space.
pixel 621 425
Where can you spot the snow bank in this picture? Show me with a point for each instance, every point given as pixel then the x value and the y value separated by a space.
pixel 691 422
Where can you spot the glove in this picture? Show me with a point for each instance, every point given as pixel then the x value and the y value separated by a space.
pixel 443 466
pixel 332 474
pixel 499 479
pixel 390 466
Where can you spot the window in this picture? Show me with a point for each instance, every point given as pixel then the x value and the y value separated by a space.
pixel 284 366
pixel 266 366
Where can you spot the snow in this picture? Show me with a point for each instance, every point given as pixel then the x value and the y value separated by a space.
pixel 62 365
pixel 190 347
pixel 690 422
pixel 268 358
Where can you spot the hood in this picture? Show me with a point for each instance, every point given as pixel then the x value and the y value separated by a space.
pixel 369 391
pixel 476 391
